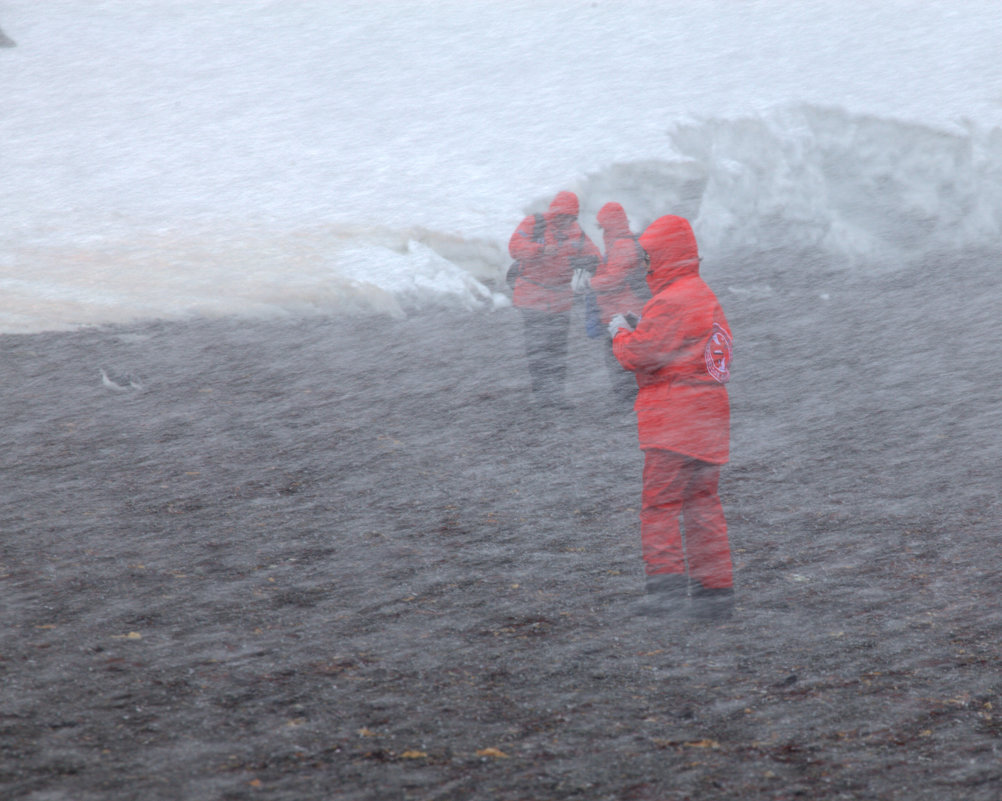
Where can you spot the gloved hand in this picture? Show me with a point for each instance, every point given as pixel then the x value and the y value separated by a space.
pixel 581 281
pixel 618 322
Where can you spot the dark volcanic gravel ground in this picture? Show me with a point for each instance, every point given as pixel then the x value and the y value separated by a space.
pixel 346 560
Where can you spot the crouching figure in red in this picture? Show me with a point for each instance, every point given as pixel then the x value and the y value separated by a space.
pixel 680 354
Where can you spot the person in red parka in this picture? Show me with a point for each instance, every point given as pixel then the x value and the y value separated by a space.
pixel 619 286
pixel 549 248
pixel 680 353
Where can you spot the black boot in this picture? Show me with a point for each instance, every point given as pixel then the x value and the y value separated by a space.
pixel 667 595
pixel 712 603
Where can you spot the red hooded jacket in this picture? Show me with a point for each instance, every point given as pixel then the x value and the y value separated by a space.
pixel 623 256
pixel 680 351
pixel 548 260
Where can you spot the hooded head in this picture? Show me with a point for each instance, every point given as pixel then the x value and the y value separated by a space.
pixel 671 245
pixel 564 208
pixel 612 220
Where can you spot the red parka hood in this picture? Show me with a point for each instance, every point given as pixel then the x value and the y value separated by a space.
pixel 670 243
pixel 565 203
pixel 612 220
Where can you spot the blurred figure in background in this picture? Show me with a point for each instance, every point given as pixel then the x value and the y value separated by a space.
pixel 620 287
pixel 549 249
pixel 680 353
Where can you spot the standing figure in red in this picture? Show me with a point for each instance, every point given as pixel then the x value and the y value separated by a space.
pixel 619 287
pixel 680 353
pixel 549 249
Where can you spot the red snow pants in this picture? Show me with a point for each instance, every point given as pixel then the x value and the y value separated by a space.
pixel 678 486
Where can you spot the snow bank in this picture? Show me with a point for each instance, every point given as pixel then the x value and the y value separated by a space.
pixel 860 189
pixel 251 272
pixel 863 192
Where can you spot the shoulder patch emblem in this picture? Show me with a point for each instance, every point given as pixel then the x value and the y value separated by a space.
pixel 718 354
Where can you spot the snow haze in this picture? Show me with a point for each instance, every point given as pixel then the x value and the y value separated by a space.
pixel 174 158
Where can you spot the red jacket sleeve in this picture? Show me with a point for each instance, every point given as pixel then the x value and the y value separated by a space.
pixel 657 340
pixel 523 246
pixel 614 270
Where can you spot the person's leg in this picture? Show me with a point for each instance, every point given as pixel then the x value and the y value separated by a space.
pixel 706 545
pixel 534 329
pixel 559 326
pixel 706 541
pixel 546 352
pixel 666 585
pixel 661 505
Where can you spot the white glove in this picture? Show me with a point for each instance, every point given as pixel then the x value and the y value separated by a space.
pixel 581 281
pixel 617 322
